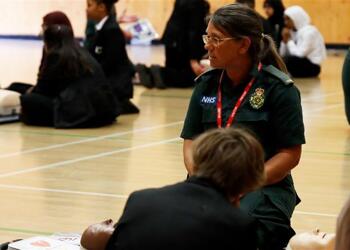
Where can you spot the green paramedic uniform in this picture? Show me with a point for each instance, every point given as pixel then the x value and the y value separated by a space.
pixel 272 111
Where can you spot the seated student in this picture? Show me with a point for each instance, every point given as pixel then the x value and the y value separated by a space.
pixel 199 213
pixel 108 48
pixel 302 47
pixel 71 90
pixel 274 10
pixel 183 47
pixel 266 24
pixel 52 18
pixel 346 84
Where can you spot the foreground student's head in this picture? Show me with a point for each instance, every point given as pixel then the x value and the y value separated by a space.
pixel 249 3
pixel 231 158
pixel 96 10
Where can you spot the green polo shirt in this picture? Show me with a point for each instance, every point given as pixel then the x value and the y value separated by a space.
pixel 272 111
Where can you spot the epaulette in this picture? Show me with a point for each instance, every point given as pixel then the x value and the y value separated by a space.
pixel 278 74
pixel 206 73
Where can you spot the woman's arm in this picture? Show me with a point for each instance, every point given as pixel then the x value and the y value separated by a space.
pixel 280 165
pixel 187 151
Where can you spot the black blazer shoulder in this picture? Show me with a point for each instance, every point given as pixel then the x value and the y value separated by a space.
pixel 187 215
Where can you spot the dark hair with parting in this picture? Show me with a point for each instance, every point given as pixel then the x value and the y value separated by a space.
pixel 239 21
pixel 108 3
pixel 250 3
pixel 63 54
pixel 231 158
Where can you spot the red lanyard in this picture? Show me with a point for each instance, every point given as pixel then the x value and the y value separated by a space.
pixel 239 102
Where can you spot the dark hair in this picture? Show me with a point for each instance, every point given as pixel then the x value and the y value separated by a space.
pixel 56 18
pixel 231 159
pixel 63 55
pixel 278 10
pixel 108 3
pixel 240 21
pixel 250 3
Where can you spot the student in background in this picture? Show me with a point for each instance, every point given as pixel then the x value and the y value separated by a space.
pixel 274 10
pixel 71 90
pixel 182 36
pixel 90 29
pixel 52 18
pixel 199 213
pixel 267 29
pixel 108 48
pixel 302 48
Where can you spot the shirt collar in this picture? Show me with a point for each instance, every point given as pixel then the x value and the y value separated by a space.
pixel 101 23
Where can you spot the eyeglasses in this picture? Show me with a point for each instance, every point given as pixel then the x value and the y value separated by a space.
pixel 215 40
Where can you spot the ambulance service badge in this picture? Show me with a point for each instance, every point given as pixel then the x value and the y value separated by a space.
pixel 257 99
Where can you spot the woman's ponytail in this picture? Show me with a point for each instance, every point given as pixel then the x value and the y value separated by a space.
pixel 269 55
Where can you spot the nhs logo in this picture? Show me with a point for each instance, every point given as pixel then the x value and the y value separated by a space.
pixel 208 99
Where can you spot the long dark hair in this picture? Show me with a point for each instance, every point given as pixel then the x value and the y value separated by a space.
pixel 278 11
pixel 240 21
pixel 63 56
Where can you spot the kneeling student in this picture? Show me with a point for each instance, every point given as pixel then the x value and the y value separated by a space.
pixel 71 90
pixel 199 213
pixel 302 48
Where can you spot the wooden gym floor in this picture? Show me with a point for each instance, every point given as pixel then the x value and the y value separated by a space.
pixel 63 180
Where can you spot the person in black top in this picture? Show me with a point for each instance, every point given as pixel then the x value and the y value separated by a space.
pixel 51 18
pixel 274 10
pixel 181 37
pixel 199 213
pixel 71 90
pixel 267 29
pixel 107 46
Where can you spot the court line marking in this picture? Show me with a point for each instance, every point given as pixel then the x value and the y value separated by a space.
pixel 326 107
pixel 316 214
pixel 319 96
pixel 119 196
pixel 89 140
pixel 64 191
pixel 24 231
pixel 85 158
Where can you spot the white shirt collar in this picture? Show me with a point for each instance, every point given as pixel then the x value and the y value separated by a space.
pixel 101 23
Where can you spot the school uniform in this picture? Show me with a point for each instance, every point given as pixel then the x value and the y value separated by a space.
pixel 346 84
pixel 272 111
pixel 65 102
pixel 304 53
pixel 183 41
pixel 107 46
pixel 193 214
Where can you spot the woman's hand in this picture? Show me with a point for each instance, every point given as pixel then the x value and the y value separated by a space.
pixel 197 68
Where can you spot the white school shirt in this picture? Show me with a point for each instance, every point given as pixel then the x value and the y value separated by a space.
pixel 307 40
